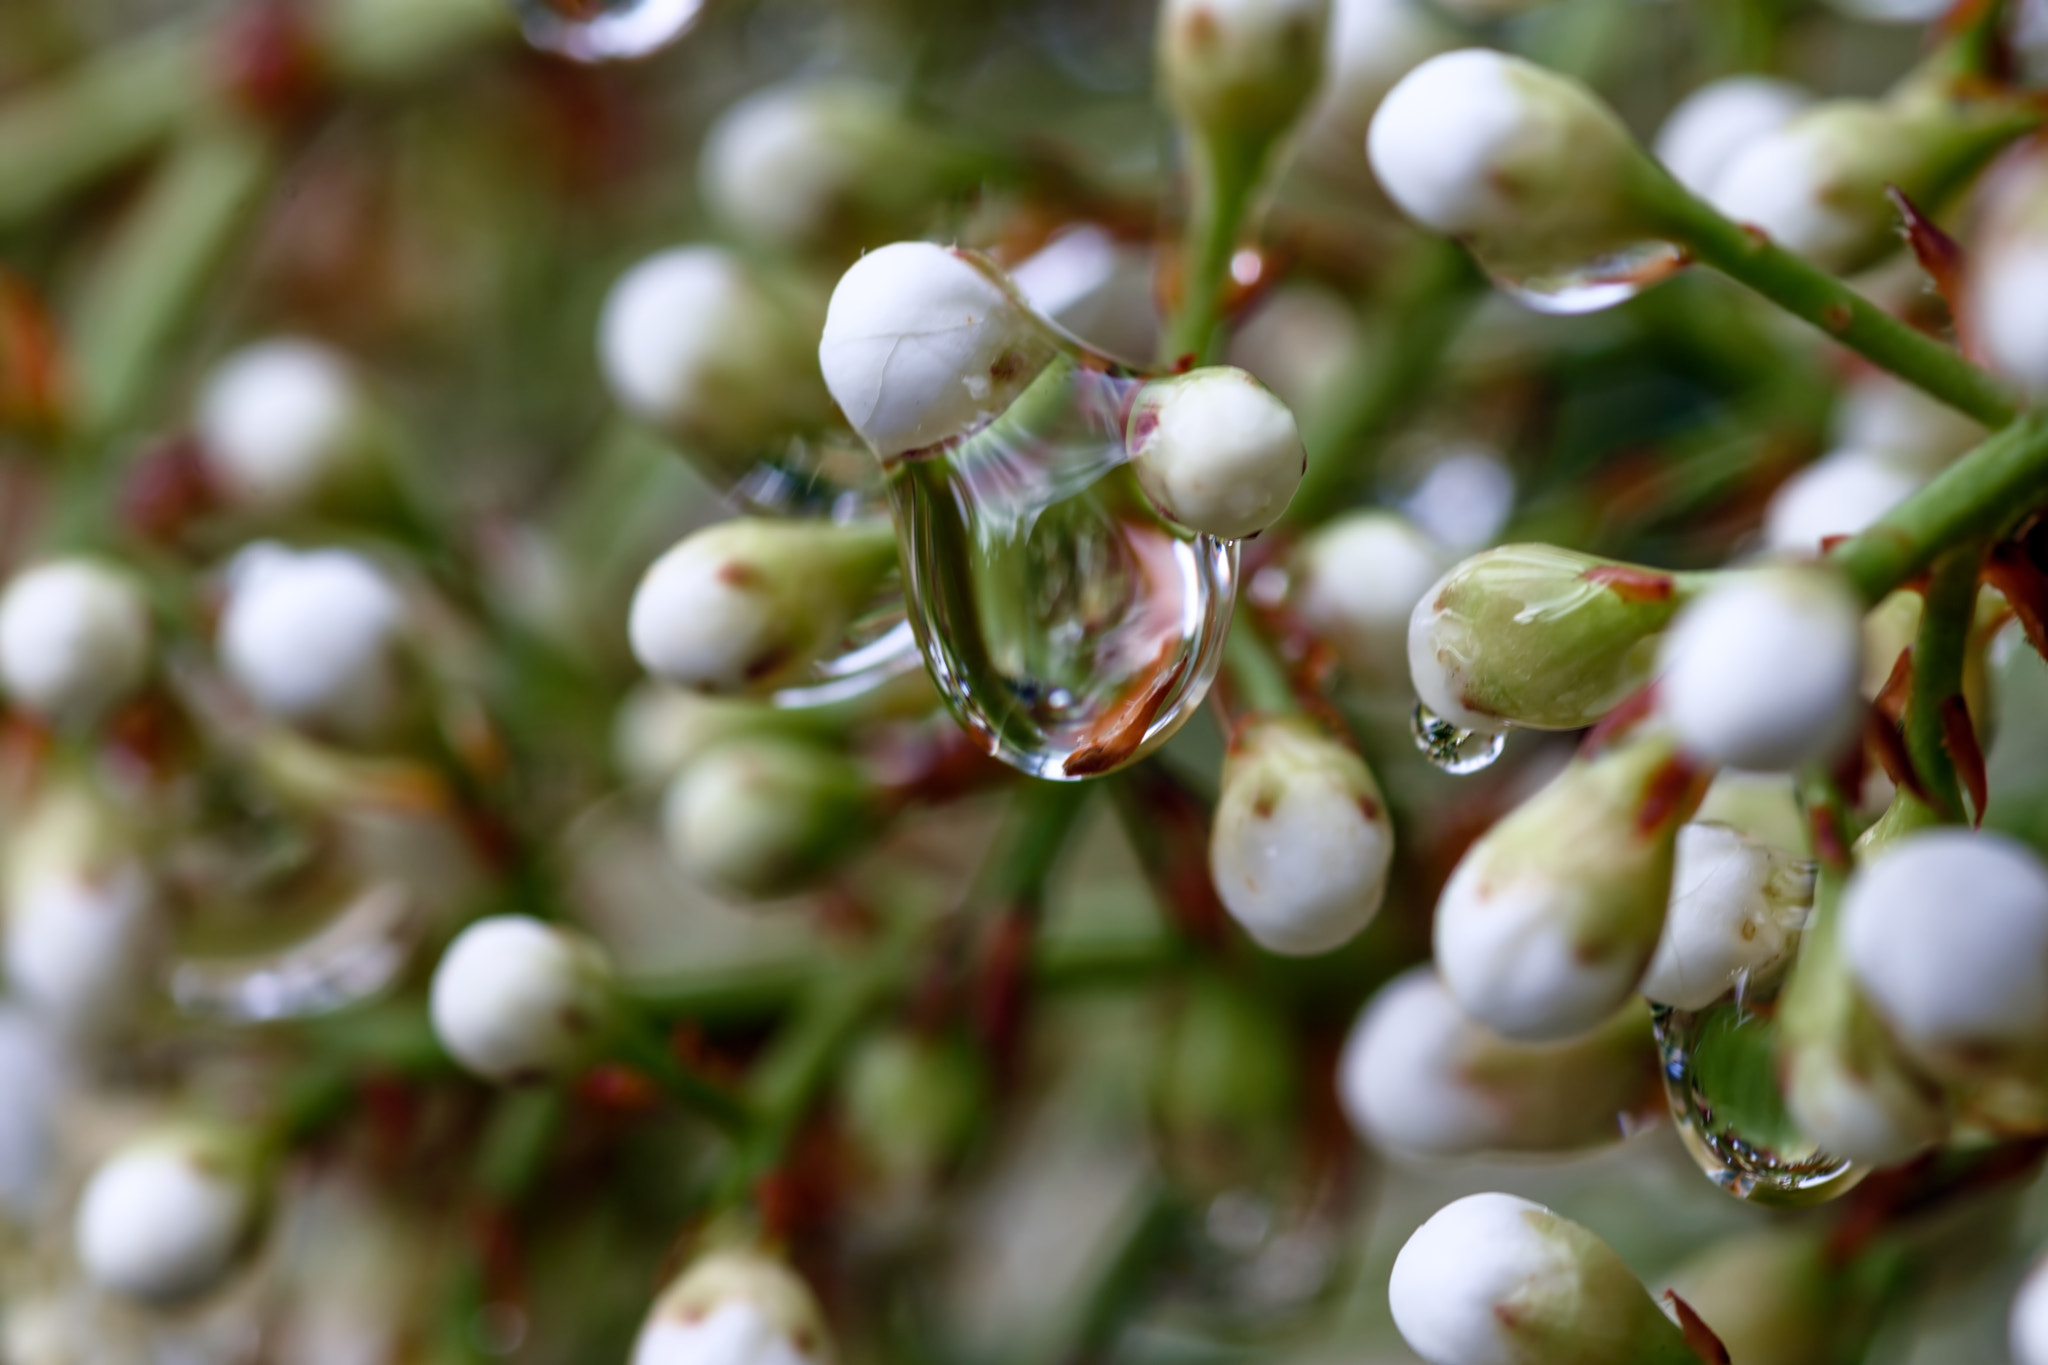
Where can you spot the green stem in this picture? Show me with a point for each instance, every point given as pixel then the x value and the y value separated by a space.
pixel 1258 680
pixel 640 1045
pixel 1028 848
pixel 1112 1299
pixel 1948 612
pixel 1752 259
pixel 1226 178
pixel 1977 498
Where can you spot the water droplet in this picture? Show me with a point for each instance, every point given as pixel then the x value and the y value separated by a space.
pixel 604 30
pixel 356 953
pixel 1721 1081
pixel 1069 626
pixel 1609 279
pixel 1455 751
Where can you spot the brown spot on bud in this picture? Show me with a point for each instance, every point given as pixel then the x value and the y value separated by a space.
pixel 1262 809
pixel 738 573
pixel 1369 808
pixel 1631 584
pixel 1671 795
pixel 1202 28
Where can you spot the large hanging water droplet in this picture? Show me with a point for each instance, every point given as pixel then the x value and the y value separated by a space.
pixel 1720 1078
pixel 1606 280
pixel 604 30
pixel 1455 751
pixel 1069 626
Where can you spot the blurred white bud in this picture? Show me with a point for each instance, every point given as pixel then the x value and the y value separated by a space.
pixel 2008 270
pixel 34 1077
pixel 1241 70
pixel 309 636
pixel 1496 1280
pixel 1894 11
pixel 74 639
pixel 922 344
pixel 1712 125
pixel 1463 498
pixel 693 344
pixel 1356 582
pixel 1489 9
pixel 1871 1113
pixel 1096 288
pixel 764 815
pixel 1946 934
pixel 1737 906
pixel 1884 415
pixel 1762 671
pixel 1301 841
pixel 169 1217
pixel 1372 44
pixel 752 603
pixel 279 420
pixel 735 1308
pixel 1302 341
pixel 1838 495
pixel 1215 451
pixel 516 1000
pixel 1549 920
pixel 1419 1075
pixel 2027 1330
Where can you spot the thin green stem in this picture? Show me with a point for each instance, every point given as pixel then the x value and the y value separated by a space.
pixel 1258 680
pixel 1225 181
pixel 1976 499
pixel 1943 643
pixel 1110 1301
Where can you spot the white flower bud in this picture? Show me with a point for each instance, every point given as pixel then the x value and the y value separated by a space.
pixel 1883 415
pixel 1762 671
pixel 2008 270
pixel 309 635
pixel 694 345
pixel 1527 167
pixel 1946 933
pixel 1418 1075
pixel 2027 1331
pixel 1301 841
pixel 1712 125
pixel 516 1000
pixel 33 1076
pixel 1096 288
pixel 923 343
pixel 1357 581
pixel 735 1308
pixel 1547 923
pixel 763 815
pixel 1496 1280
pixel 1215 451
pixel 1372 44
pixel 169 1217
pixel 74 639
pixel 1241 69
pixel 1737 906
pixel 1871 1114
pixel 1836 496
pixel 279 420
pixel 750 604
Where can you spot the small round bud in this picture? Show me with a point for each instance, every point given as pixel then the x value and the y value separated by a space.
pixel 1216 451
pixel 923 344
pixel 279 420
pixel 750 604
pixel 1241 69
pixel 1496 1280
pixel 1550 919
pixel 1096 288
pixel 1762 671
pixel 1301 841
pixel 515 1000
pixel 1836 496
pixel 2027 1332
pixel 169 1217
pixel 1737 906
pixel 74 639
pixel 1960 979
pixel 1356 583
pixel 1537 636
pixel 735 1308
pixel 1711 126
pixel 2008 270
pixel 1419 1076
pixel 309 635
pixel 694 345
pixel 1884 415
pixel 764 816
pixel 909 1104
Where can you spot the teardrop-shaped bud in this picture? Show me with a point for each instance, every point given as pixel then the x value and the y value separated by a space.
pixel 169 1217
pixel 768 815
pixel 1241 70
pixel 1737 906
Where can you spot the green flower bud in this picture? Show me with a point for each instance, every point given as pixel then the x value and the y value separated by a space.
pixel 1535 636
pixel 909 1105
pixel 764 816
pixel 1241 70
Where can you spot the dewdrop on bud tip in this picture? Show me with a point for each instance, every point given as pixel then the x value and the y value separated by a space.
pixel 309 636
pixel 1550 919
pixel 1418 1075
pixel 74 640
pixel 516 1000
pixel 1216 451
pixel 1241 69
pixel 170 1216
pixel 1356 582
pixel 735 1308
pixel 1946 935
pixel 1711 126
pixel 765 816
pixel 1762 671
pixel 923 344
pixel 751 604
pixel 1496 1280
pixel 280 420
pixel 1839 495
pixel 1535 636
pixel 695 346
pixel 2027 1329
pixel 1301 841
pixel 1737 906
